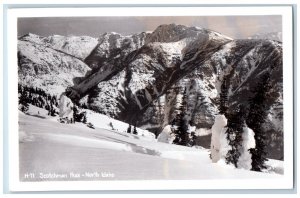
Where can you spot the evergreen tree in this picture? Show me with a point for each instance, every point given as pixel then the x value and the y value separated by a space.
pixel 192 139
pixel 75 114
pixel 47 107
pixel 256 117
pixel 224 98
pixel 23 102
pixel 84 118
pixel 235 124
pixel 181 130
pixel 181 135
pixel 20 88
pixel 160 112
pixel 84 106
pixel 134 130
pixel 52 111
pixel 129 129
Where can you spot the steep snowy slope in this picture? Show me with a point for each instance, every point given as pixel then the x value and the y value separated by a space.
pixel 56 152
pixel 77 46
pixel 46 68
pixel 107 59
pixel 149 71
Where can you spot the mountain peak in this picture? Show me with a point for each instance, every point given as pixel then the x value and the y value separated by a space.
pixel 173 33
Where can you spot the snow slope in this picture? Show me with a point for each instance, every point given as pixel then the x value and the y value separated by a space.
pixel 46 68
pixel 77 46
pixel 55 151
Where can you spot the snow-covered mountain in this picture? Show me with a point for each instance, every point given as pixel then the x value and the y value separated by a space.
pixel 47 68
pixel 77 46
pixel 140 78
pixel 147 72
pixel 53 63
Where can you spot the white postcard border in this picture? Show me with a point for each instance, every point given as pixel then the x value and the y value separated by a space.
pixel 286 182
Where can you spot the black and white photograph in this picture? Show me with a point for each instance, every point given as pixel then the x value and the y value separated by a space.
pixel 150 98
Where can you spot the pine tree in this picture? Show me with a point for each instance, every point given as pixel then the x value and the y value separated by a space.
pixel 129 129
pixel 235 124
pixel 75 114
pixel 182 130
pixel 181 135
pixel 160 112
pixel 256 117
pixel 84 106
pixel 51 110
pixel 84 118
pixel 112 126
pixel 23 102
pixel 193 139
pixel 20 88
pixel 223 98
pixel 134 130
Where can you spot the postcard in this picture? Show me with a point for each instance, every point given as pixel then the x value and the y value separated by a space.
pixel 145 98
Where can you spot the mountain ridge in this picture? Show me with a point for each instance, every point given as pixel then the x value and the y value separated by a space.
pixel 140 78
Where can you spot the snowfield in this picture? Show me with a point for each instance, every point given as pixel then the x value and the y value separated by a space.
pixel 53 151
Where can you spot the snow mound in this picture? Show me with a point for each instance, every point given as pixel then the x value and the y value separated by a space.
pixel 65 107
pixel 220 145
pixel 166 135
pixel 248 143
pixel 217 136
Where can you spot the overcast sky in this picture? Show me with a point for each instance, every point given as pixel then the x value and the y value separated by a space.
pixel 233 26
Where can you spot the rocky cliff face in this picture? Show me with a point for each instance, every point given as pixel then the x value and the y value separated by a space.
pixel 140 79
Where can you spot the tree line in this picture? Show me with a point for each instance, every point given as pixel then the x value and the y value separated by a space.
pixel 37 97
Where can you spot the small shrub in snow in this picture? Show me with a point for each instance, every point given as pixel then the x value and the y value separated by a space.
pixel 112 126
pixel 134 130
pixel 192 139
pixel 129 129
pixel 90 125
